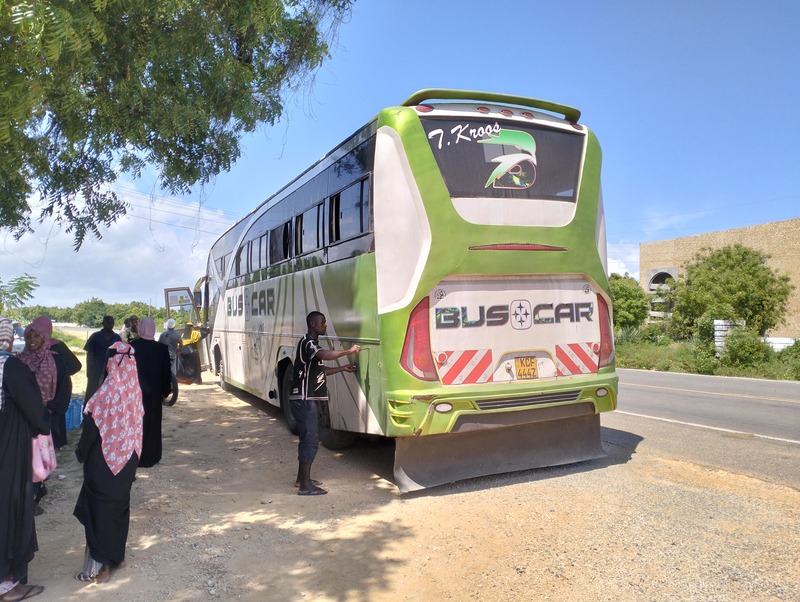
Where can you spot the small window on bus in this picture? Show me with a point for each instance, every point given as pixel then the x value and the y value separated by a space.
pixel 255 256
pixel 347 213
pixel 264 250
pixel 280 243
pixel 365 225
pixel 238 269
pixel 308 234
pixel 223 263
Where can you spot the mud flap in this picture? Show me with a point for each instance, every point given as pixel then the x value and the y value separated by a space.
pixel 432 460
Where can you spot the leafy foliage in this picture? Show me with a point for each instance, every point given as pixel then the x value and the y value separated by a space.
pixel 14 294
pixel 734 279
pixel 631 304
pixel 744 348
pixel 93 88
pixel 90 313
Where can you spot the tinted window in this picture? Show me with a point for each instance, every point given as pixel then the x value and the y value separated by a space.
pixel 309 231
pixel 488 158
pixel 350 212
pixel 280 240
pixel 239 268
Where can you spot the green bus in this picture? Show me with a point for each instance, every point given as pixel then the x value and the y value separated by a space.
pixel 459 238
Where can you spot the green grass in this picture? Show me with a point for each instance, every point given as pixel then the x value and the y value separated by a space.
pixel 689 356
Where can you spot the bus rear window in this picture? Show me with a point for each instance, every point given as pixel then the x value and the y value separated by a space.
pixel 489 158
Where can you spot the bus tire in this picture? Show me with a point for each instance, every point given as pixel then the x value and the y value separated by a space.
pixel 331 438
pixel 223 384
pixel 286 388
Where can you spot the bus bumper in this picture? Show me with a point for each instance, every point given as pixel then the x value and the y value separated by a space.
pixel 431 460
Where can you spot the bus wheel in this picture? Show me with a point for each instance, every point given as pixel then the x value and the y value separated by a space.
pixel 221 372
pixel 331 438
pixel 286 406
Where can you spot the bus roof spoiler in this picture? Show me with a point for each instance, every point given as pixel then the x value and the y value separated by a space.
pixel 571 114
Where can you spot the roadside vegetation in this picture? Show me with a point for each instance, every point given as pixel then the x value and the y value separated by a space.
pixel 732 283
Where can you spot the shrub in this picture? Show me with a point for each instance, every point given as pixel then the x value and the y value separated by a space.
pixel 705 324
pixel 745 348
pixel 655 332
pixel 625 335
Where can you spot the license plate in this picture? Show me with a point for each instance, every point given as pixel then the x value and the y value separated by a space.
pixel 526 368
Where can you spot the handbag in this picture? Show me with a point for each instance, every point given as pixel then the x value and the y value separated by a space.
pixel 44 457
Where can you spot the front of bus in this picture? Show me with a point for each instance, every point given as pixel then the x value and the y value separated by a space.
pixel 491 261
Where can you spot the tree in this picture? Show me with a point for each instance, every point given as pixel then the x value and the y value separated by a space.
pixel 735 278
pixel 95 88
pixel 90 313
pixel 631 304
pixel 18 290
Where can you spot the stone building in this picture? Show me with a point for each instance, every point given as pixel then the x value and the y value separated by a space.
pixel 664 259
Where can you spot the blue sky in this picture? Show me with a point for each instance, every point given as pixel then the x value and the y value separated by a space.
pixel 695 103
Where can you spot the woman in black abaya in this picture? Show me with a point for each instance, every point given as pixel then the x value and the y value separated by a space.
pixel 155 379
pixel 109 450
pixel 22 417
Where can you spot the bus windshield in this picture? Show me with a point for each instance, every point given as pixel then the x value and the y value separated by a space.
pixel 490 158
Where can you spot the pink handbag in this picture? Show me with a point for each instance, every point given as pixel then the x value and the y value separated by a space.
pixel 44 457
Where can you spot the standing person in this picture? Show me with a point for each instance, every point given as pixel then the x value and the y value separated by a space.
pixel 96 347
pixel 22 417
pixel 190 353
pixel 155 380
pixel 132 332
pixel 308 390
pixel 109 450
pixel 52 373
pixel 54 384
pixel 172 339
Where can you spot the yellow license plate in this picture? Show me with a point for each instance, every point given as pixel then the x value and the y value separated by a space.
pixel 526 367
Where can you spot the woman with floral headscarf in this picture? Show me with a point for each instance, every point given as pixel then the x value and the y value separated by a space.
pixel 22 417
pixel 109 450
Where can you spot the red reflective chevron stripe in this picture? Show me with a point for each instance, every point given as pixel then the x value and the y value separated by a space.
pixel 458 366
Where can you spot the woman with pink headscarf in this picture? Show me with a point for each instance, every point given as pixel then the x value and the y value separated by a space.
pixel 155 378
pixel 109 450
pixel 53 364
pixel 22 416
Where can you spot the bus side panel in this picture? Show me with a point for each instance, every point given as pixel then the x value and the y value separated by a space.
pixel 345 292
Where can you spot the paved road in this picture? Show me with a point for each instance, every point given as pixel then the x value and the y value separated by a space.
pixel 748 426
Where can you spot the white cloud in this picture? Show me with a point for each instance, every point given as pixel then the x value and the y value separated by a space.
pixel 160 243
pixel 623 257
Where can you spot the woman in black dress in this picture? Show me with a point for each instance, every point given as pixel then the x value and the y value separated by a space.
pixel 22 417
pixel 109 450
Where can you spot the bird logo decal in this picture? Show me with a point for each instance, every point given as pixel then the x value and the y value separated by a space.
pixel 514 170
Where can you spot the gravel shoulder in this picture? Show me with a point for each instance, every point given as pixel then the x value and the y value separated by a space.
pixel 219 518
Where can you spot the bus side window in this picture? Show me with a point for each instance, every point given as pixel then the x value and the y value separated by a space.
pixel 307 231
pixel 350 212
pixel 252 256
pixel 333 219
pixel 238 265
pixel 298 235
pixel 280 241
pixel 263 257
pixel 365 225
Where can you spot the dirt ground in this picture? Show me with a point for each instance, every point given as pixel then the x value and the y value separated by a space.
pixel 219 518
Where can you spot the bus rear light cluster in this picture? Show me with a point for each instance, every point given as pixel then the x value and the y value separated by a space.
pixel 606 334
pixel 416 358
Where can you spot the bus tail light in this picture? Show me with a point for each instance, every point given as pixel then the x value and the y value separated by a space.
pixel 417 358
pixel 606 334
